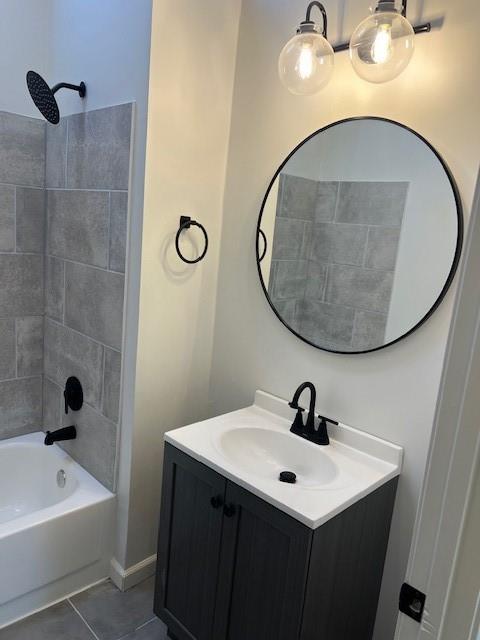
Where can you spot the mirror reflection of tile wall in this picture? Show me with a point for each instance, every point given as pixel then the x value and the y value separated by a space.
pixel 333 259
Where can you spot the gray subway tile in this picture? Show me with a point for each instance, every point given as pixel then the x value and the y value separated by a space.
pixel 95 445
pixel 298 197
pixel 112 613
pixel 382 247
pixel 29 346
pixel 7 218
pixel 98 152
pixel 94 303
pixel 78 226
pixel 360 288
pixel 326 201
pixel 325 324
pixel 54 287
pixel 7 348
pixel 22 150
pixel 288 240
pixel 286 310
pixel 271 278
pixel 56 160
pixel 67 353
pixel 338 243
pixel 369 330
pixel 30 219
pixel 58 621
pixel 21 290
pixel 53 404
pixel 20 407
pixel 111 383
pixel 118 230
pixel 379 203
pixel 316 280
pixel 307 241
pixel 290 279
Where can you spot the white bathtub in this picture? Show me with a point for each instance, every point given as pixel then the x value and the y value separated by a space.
pixel 54 540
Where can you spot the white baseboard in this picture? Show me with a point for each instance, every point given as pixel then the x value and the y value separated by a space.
pixel 126 578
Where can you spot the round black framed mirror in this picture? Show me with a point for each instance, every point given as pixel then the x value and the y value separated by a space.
pixel 359 235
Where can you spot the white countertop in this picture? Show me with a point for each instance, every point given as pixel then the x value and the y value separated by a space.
pixel 329 478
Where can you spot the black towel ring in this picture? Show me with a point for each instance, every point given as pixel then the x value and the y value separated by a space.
pixel 185 223
pixel 265 245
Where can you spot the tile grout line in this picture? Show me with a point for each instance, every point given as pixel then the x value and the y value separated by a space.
pixel 102 391
pixel 77 262
pixel 66 153
pixel 15 220
pixel 84 335
pixel 83 189
pixel 144 624
pixel 16 349
pixel 82 619
pixel 64 297
pixel 365 249
pixel 109 235
pixel 37 375
pixel 21 253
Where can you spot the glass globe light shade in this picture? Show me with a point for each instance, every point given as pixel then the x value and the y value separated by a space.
pixel 382 45
pixel 306 62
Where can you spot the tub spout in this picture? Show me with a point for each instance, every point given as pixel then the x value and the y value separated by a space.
pixel 67 433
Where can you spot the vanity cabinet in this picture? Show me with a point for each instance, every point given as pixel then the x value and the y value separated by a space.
pixel 233 567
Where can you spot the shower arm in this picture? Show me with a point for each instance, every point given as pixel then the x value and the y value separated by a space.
pixel 74 87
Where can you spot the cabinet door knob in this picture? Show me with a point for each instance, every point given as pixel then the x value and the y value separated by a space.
pixel 216 502
pixel 229 510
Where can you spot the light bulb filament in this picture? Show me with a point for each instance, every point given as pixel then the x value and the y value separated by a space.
pixel 382 48
pixel 305 62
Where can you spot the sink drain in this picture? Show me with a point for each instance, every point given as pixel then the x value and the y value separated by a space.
pixel 288 476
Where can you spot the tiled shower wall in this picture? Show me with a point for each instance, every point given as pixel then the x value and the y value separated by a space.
pixel 87 174
pixel 63 212
pixel 333 258
pixel 22 227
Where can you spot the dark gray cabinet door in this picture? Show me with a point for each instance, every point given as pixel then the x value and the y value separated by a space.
pixel 264 564
pixel 189 545
pixel 346 568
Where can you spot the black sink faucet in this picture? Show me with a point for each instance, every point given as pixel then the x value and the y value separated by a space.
pixel 298 427
pixel 307 430
pixel 67 433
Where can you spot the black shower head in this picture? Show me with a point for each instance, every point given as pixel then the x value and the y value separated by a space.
pixel 44 97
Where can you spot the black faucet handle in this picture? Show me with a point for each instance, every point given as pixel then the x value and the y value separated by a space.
pixel 297 425
pixel 324 419
pixel 73 394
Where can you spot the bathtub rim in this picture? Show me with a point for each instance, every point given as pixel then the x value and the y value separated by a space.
pixel 89 491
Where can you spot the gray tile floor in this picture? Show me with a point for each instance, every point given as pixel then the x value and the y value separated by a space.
pixel 100 613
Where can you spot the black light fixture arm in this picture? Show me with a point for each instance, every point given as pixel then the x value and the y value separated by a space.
pixel 344 46
pixel 308 18
pixel 81 88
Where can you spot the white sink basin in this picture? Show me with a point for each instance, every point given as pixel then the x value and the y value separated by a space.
pixel 252 446
pixel 265 453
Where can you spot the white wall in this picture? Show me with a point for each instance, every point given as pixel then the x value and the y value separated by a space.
pixel 191 82
pixel 106 44
pixel 26 30
pixel 390 393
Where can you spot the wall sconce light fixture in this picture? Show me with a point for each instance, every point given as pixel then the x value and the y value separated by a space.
pixel 380 49
pixel 306 61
